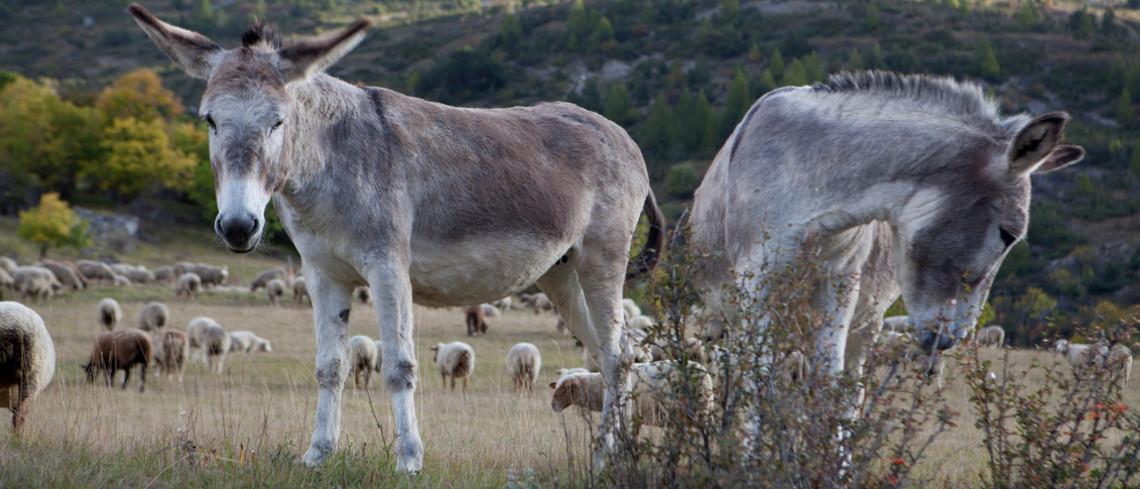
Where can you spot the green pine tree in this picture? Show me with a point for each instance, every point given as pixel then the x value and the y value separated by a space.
pixel 1125 112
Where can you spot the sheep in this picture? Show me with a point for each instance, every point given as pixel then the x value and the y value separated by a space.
pixel 561 327
pixel 247 342
pixel 905 352
pixel 713 329
pixel 363 294
pixel 524 361
pixel 639 322
pixel 364 354
pixel 300 291
pixel 121 281
pixel 217 346
pixel 898 324
pixel 94 270
pixel 109 314
pixel 1079 355
pixel 27 360
pixel 539 302
pixel 476 323
pixel 490 311
pixel 35 283
pixel 120 349
pixel 154 316
pixel 170 353
pixel 1120 360
pixel 562 372
pixel 990 336
pixel 263 278
pixel 197 338
pixel 652 396
pixel 66 275
pixel 8 265
pixel 164 274
pixel 379 355
pixel 188 285
pixel 455 359
pixel 209 274
pixel 503 304
pixel 630 309
pixel 6 282
pixel 275 289
pixel 140 275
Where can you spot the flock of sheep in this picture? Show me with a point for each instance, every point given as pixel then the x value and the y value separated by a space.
pixel 27 358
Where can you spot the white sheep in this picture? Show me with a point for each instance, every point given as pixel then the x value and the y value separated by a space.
pixel 364 353
pixel 503 304
pixel 217 347
pixel 898 324
pixel 27 358
pixel 94 270
pixel 35 283
pixel 455 359
pixel 1080 355
pixel 263 278
pixel 275 289
pixel 247 342
pixel 629 307
pixel 990 336
pixel 188 285
pixel 8 265
pixel 562 372
pixel 639 322
pixel 209 274
pixel 300 291
pixel 524 361
pixel 1120 360
pixel 652 392
pixel 66 273
pixel 164 274
pixel 490 311
pixel 539 302
pixel 169 353
pixel 154 316
pixel 109 314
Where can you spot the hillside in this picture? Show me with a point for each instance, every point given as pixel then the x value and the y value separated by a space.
pixel 679 74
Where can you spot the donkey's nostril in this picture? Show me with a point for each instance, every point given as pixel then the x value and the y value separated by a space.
pixel 239 232
pixel 255 223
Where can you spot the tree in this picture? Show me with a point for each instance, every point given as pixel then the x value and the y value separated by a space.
pixel 986 61
pixel 736 104
pixel 660 131
pixel 682 181
pixel 511 33
pixel 872 19
pixel 776 65
pixel 138 94
pixel 139 155
pixel 1026 16
pixel 854 60
pixel 618 107
pixel 796 74
pixel 1125 113
pixel 52 223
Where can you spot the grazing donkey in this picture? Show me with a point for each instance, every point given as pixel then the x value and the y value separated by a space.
pixel 908 185
pixel 420 201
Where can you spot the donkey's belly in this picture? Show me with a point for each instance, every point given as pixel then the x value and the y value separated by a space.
pixel 475 271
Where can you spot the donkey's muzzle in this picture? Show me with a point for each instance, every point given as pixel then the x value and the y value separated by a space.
pixel 240 233
pixel 928 339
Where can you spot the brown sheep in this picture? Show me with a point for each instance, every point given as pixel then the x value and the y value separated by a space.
pixel 120 349
pixel 476 322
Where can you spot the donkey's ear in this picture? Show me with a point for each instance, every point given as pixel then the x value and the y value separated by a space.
pixel 1035 142
pixel 301 60
pixel 1062 156
pixel 190 50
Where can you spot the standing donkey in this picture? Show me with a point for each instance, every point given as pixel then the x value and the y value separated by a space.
pixel 908 185
pixel 420 201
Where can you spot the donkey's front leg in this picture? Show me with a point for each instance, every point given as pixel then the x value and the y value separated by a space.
pixel 331 303
pixel 392 295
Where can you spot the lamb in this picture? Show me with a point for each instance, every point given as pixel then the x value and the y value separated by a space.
pixel 524 361
pixel 455 359
pixel 170 353
pixel 1120 360
pixel 65 273
pixel 300 291
pixel 476 323
pixel 990 336
pixel 364 355
pixel 363 294
pixel 120 349
pixel 1079 355
pixel 154 316
pixel 275 289
pixel 94 270
pixel 263 278
pixel 35 283
pixel 490 311
pixel 652 396
pixel 247 342
pixel 188 285
pixel 109 313
pixel 27 360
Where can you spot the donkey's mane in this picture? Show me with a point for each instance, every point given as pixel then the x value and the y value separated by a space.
pixel 953 97
pixel 261 33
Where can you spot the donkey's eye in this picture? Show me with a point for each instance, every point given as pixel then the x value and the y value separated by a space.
pixel 1007 237
pixel 275 126
pixel 210 122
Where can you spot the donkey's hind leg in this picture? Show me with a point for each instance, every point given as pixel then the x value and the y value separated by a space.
pixel 331 303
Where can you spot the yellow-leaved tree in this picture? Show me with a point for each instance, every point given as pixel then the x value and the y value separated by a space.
pixel 138 155
pixel 138 94
pixel 52 223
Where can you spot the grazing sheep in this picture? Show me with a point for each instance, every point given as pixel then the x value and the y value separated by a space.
pixel 693 348
pixel 1120 360
pixel 476 323
pixel 120 349
pixel 503 304
pixel 35 283
pixel 523 363
pixel 154 316
pixel 27 360
pixel 188 285
pixel 455 359
pixel 300 291
pixel 539 302
pixel 8 265
pixel 209 274
pixel 196 338
pixel 140 275
pixel 363 294
pixel 629 307
pixel 164 274
pixel 170 353
pixel 94 270
pixel 275 289
pixel 364 354
pixel 652 397
pixel 6 282
pixel 1079 355
pixel 217 346
pixel 121 281
pixel 247 342
pixel 990 336
pixel 67 275
pixel 490 311
pixel 109 313
pixel 263 278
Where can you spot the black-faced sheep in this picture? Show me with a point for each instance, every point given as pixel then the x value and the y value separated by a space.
pixel 109 314
pixel 120 350
pixel 990 336
pixel 263 278
pixel 27 360
pixel 524 361
pixel 188 285
pixel 652 392
pixel 154 316
pixel 36 283
pixel 364 355
pixel 170 353
pixel 275 290
pixel 476 322
pixel 363 294
pixel 455 359
pixel 247 342
pixel 301 292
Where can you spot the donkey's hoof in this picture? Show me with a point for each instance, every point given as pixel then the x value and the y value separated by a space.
pixel 314 458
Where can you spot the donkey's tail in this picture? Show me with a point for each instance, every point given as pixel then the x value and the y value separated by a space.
pixel 647 260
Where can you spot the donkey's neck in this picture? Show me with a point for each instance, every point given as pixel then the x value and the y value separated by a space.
pixel 318 103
